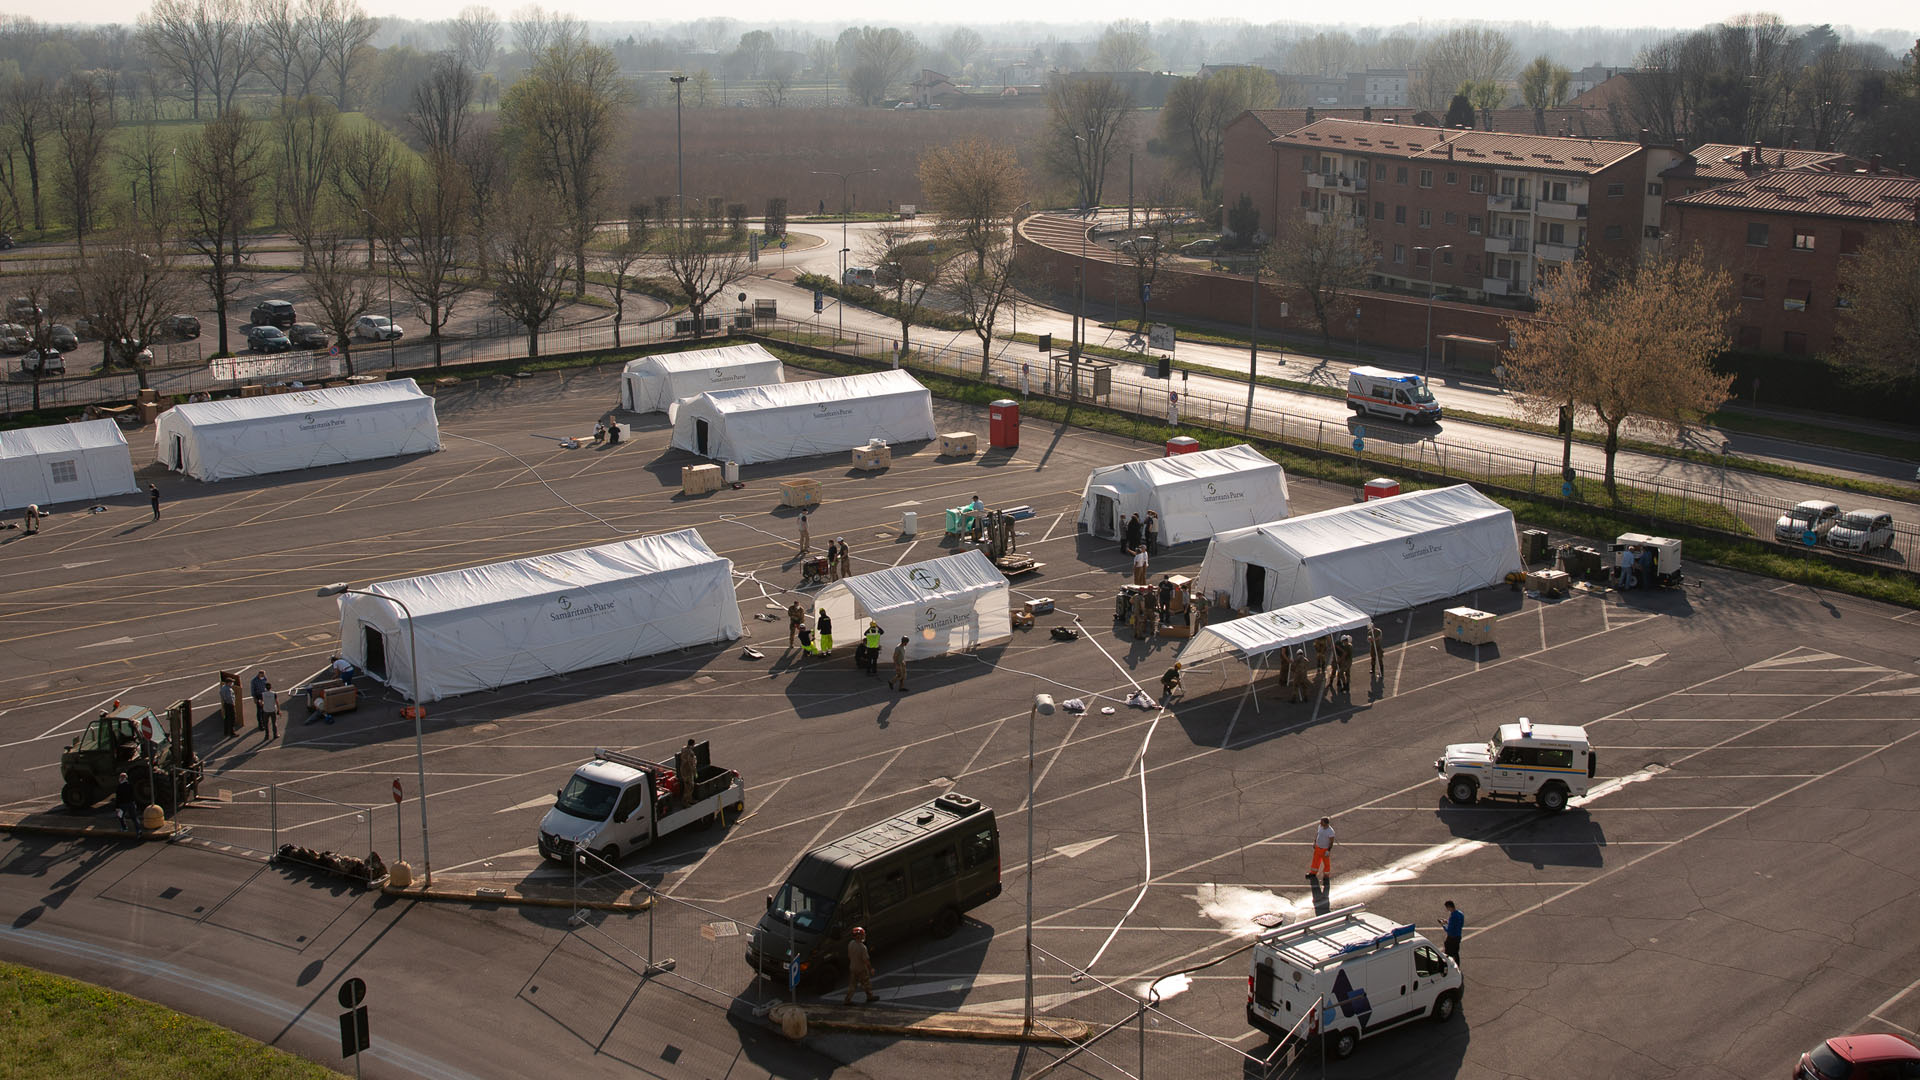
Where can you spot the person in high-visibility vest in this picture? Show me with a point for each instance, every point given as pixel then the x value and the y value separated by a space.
pixel 872 643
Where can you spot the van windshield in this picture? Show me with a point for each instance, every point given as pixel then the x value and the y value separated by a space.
pixel 587 799
pixel 805 910
pixel 1421 394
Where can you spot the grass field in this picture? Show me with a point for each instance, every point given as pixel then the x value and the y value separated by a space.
pixel 52 1028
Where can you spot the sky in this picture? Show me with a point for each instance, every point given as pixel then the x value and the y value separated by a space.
pixel 1865 15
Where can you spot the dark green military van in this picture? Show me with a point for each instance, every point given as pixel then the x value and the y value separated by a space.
pixel 916 871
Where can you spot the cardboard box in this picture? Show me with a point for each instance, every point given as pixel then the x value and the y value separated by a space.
pixel 1468 625
pixel 800 493
pixel 873 457
pixel 1549 582
pixel 699 479
pixel 958 443
pixel 1040 605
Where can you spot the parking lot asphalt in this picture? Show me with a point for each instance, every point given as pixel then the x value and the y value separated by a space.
pixel 1739 886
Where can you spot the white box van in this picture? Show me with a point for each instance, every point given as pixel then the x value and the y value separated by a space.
pixel 1348 975
pixel 1392 394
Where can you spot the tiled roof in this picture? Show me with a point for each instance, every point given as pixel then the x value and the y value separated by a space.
pixel 1869 197
pixel 1281 121
pixel 1721 161
pixel 1489 148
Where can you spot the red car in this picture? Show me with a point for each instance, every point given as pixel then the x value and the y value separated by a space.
pixel 1861 1057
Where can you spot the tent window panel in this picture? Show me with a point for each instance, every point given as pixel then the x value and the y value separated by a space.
pixel 64 472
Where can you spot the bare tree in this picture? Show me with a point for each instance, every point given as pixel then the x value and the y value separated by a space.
pixel 961 45
pixel 1124 46
pixel 83 119
pixel 144 155
pixel 474 36
pixel 29 105
pixel 1464 54
pixel 212 45
pixel 289 55
pixel 430 225
pixel 974 184
pixel 1881 317
pixel 982 291
pixel 226 166
pixel 128 287
pixel 340 285
pixel 1144 250
pixel 882 57
pixel 620 263
pixel 366 161
pixel 529 278
pixel 308 133
pixel 535 30
pixel 697 257
pixel 1194 121
pixel 1327 262
pixel 1544 84
pixel 341 28
pixel 1654 100
pixel 566 112
pixel 33 290
pixel 481 158
pixel 1087 119
pixel 907 263
pixel 440 103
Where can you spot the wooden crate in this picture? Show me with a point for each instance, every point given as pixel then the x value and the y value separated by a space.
pixel 873 457
pixel 800 493
pixel 1549 582
pixel 699 479
pixel 958 443
pixel 1468 625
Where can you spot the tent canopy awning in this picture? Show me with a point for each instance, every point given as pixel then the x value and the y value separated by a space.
pixel 943 605
pixel 1281 628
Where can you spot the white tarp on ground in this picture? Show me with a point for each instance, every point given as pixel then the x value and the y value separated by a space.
pixel 232 437
pixel 1381 555
pixel 800 419
pixel 64 463
pixel 940 606
pixel 489 626
pixel 1196 495
pixel 1259 634
pixel 654 383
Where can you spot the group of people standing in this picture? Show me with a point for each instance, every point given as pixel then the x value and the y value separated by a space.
pixel 818 641
pixel 1328 649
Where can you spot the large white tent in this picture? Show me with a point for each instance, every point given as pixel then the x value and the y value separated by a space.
pixel 800 419
pixel 220 440
pixel 1381 555
pixel 489 626
pixel 1263 632
pixel 64 463
pixel 940 606
pixel 654 383
pixel 1196 495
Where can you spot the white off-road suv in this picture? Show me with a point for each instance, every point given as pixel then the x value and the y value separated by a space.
pixel 1548 763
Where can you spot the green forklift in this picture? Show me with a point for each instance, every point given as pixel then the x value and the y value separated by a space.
pixel 158 757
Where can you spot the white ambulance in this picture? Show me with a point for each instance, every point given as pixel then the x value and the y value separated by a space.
pixel 1348 975
pixel 1393 394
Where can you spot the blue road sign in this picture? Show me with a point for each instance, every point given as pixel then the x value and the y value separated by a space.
pixel 1359 445
pixel 819 300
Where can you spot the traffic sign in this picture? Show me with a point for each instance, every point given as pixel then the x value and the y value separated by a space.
pixel 819 301
pixel 793 973
pixel 146 727
pixel 353 1022
pixel 1359 445
pixel 396 791
pixel 783 245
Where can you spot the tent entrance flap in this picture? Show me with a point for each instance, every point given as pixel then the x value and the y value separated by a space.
pixel 373 647
pixel 1256 577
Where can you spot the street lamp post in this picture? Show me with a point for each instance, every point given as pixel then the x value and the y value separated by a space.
pixel 844 177
pixel 679 160
pixel 1426 359
pixel 1042 706
pixel 413 699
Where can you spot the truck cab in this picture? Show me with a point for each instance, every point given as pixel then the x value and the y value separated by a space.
pixel 618 803
pixel 1548 763
pixel 1347 975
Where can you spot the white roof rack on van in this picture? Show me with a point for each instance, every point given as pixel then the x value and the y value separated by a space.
pixel 1337 935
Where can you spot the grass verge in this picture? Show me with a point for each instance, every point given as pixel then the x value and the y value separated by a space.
pixel 54 1028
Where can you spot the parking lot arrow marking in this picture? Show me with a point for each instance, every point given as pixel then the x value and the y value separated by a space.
pixel 115 641
pixel 1074 851
pixel 1638 661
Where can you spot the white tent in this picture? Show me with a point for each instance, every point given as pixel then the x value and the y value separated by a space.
pixel 488 626
pixel 799 419
pixel 940 606
pixel 220 440
pixel 1261 633
pixel 653 383
pixel 64 463
pixel 1381 555
pixel 1196 495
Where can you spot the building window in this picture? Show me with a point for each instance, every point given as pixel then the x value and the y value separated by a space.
pixel 1422 257
pixel 1399 215
pixel 1426 177
pixel 1756 234
pixel 1799 294
pixel 1616 232
pixel 1753 287
pixel 1400 175
pixel 1379 211
pixel 1616 191
pixel 1399 253
pixel 1653 188
pixel 1748 337
pixel 1452 177
pixel 1851 241
pixel 1473 225
pixel 1306 162
pixel 1553 234
pixel 1326 166
pixel 1379 172
pixel 1426 219
pixel 1802 240
pixel 1506 185
pixel 1477 184
pixel 1651 232
pixel 1551 191
pixel 63 472
pixel 1446 257
pixel 1306 200
pixel 1452 218
pixel 1793 343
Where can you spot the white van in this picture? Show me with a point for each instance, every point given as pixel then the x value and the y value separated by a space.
pixel 1348 975
pixel 1392 394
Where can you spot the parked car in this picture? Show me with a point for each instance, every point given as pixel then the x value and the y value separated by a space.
pixel 278 313
pixel 14 338
pixel 1861 1057
pixel 306 335
pixel 1140 245
pixel 125 351
pixel 6 241
pixel 183 327
pixel 1202 246
pixel 23 309
pixel 1813 515
pixel 1861 530
pixel 62 337
pixel 270 339
pixel 862 276
pixel 84 329
pixel 376 328
pixel 44 362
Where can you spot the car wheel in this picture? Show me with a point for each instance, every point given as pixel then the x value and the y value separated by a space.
pixel 1463 791
pixel 1340 1044
pixel 946 922
pixel 78 795
pixel 1552 798
pixel 1445 1006
pixel 609 855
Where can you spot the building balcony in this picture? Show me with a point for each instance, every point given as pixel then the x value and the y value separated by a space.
pixel 1319 180
pixel 1556 252
pixel 1500 245
pixel 1565 211
pixel 1316 217
pixel 1499 286
pixel 1509 204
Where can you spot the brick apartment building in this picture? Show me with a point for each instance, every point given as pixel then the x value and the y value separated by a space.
pixel 1787 236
